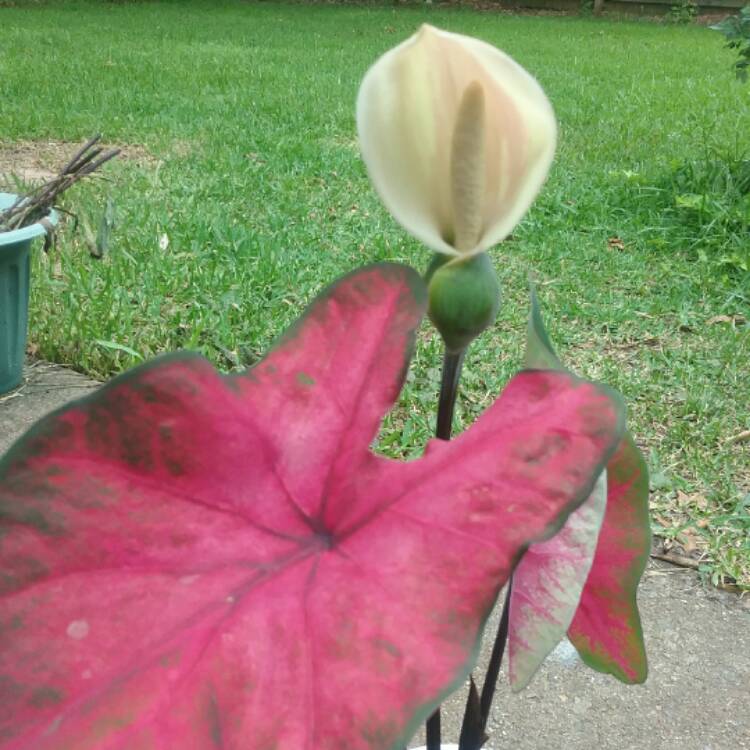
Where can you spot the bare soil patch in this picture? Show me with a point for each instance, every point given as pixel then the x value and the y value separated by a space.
pixel 38 161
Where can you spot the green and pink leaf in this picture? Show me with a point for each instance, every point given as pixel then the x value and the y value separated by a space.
pixel 547 586
pixel 605 624
pixel 197 561
pixel 606 629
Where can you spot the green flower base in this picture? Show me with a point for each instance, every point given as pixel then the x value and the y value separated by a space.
pixel 15 266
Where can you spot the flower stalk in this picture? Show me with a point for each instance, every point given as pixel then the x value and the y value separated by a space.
pixel 452 365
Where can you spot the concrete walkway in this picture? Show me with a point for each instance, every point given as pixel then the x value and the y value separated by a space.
pixel 45 387
pixel 697 696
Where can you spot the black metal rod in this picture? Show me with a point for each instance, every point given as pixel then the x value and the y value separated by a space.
pixel 452 363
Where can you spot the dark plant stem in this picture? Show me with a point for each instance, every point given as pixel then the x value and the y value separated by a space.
pixel 432 731
pixel 472 735
pixel 452 363
pixel 496 659
pixel 477 711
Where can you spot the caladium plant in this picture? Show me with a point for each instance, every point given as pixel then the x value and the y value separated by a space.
pixel 193 560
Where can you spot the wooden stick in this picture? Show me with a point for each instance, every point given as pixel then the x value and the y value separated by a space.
pixel 675 559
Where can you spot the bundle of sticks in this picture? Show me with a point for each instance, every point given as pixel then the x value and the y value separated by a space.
pixel 34 207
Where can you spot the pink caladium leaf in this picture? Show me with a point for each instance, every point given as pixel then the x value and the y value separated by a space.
pixel 547 585
pixel 606 627
pixel 198 561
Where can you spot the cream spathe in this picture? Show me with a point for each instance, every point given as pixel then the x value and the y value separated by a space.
pixel 457 137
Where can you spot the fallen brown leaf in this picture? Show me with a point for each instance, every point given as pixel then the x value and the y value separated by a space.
pixel 694 499
pixel 690 540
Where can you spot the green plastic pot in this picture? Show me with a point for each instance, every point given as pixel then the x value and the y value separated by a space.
pixel 15 267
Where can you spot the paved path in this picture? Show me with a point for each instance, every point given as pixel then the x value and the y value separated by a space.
pixel 45 387
pixel 697 696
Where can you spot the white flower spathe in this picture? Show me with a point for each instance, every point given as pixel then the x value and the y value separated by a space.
pixel 457 138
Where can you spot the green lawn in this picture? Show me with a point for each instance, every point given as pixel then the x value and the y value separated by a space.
pixel 247 112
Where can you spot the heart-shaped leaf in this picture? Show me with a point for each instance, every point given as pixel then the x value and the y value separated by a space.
pixel 199 561
pixel 606 627
pixel 547 586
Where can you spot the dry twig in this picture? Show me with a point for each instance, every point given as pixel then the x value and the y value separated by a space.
pixel 34 207
pixel 681 560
